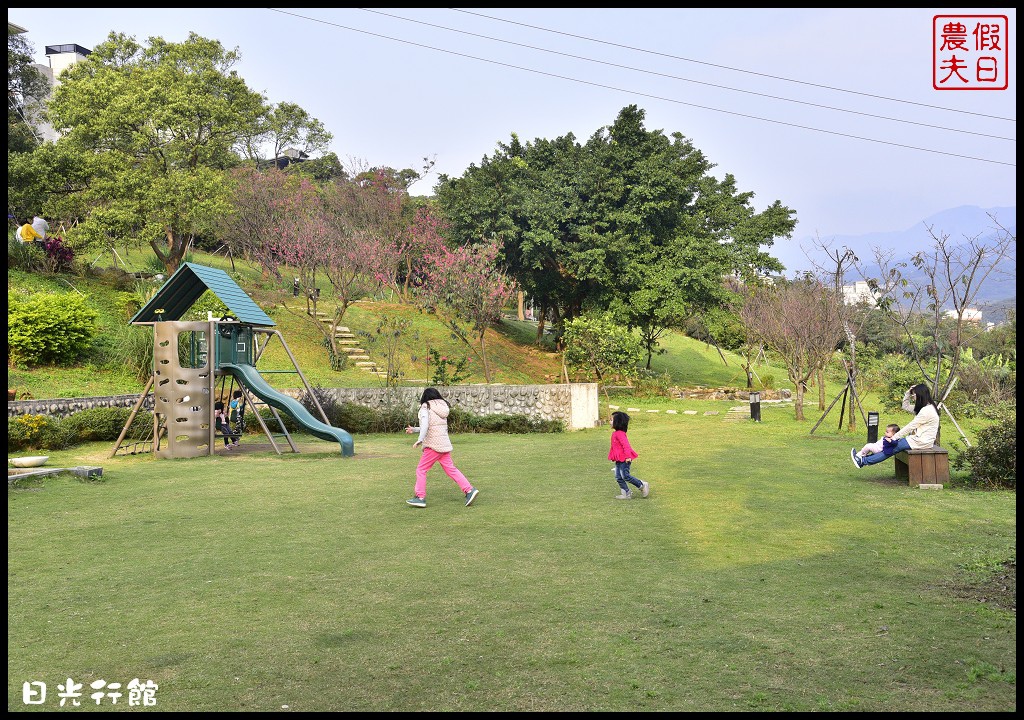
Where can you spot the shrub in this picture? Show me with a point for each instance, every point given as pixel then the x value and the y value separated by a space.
pixel 463 421
pixel 130 349
pixel 208 303
pixel 59 257
pixel 359 419
pixel 446 370
pixel 648 383
pixel 23 256
pixel 27 431
pixel 992 461
pixel 900 373
pixel 104 424
pixel 595 344
pixel 42 432
pixel 268 417
pixel 48 328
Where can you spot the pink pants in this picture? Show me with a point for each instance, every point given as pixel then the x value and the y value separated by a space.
pixel 431 456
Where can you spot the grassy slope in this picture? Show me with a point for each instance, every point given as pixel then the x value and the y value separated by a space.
pixel 513 355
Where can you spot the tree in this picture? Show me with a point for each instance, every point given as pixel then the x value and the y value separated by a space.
pixel 153 129
pixel 630 220
pixel 594 342
pixel 286 126
pixel 467 289
pixel 264 204
pixel 347 235
pixel 800 320
pixel 939 286
pixel 26 89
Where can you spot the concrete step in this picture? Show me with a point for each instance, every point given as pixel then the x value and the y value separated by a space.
pixel 366 364
pixel 348 342
pixel 358 357
pixel 358 351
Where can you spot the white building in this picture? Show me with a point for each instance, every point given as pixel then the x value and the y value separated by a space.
pixel 59 58
pixel 971 315
pixel 858 293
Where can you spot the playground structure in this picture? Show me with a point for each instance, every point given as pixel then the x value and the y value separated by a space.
pixel 191 358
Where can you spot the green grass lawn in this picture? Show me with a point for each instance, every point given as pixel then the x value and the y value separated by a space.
pixel 763 573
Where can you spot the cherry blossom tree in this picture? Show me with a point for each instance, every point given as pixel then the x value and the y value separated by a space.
pixel 467 289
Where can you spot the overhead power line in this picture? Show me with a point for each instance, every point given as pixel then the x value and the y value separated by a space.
pixel 641 94
pixel 689 80
pixel 740 70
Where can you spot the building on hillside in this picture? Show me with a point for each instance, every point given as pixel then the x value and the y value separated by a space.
pixel 59 58
pixel 971 315
pixel 286 158
pixel 859 293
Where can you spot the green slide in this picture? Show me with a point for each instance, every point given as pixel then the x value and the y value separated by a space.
pixel 251 378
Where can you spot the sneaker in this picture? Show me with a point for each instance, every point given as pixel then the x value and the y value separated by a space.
pixel 856 460
pixel 624 495
pixel 471 496
pixel 645 489
pixel 416 502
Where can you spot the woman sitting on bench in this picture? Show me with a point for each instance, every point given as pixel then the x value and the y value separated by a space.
pixel 918 434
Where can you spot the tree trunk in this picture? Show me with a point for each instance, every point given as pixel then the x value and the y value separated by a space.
pixel 483 357
pixel 801 388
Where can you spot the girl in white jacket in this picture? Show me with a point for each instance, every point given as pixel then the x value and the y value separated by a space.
pixel 917 434
pixel 437 447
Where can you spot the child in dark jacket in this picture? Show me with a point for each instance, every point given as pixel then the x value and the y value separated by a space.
pixel 622 454
pixel 886 446
pixel 220 419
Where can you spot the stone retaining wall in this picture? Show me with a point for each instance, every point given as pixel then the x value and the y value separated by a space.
pixel 69 406
pixel 576 404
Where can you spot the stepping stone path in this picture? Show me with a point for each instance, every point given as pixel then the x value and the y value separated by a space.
pixel 735 414
pixel 348 344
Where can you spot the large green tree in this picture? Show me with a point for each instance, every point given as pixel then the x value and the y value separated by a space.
pixel 631 220
pixel 152 130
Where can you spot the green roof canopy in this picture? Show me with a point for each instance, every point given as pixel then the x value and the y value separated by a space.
pixel 186 286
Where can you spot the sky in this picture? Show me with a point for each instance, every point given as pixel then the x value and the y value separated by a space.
pixel 832 112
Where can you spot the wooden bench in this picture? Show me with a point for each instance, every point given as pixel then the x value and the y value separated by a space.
pixel 926 467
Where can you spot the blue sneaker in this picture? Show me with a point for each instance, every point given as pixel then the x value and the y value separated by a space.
pixel 471 496
pixel 856 460
pixel 416 502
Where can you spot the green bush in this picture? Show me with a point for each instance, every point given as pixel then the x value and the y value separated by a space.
pixel 992 461
pixel 24 256
pixel 268 417
pixel 648 383
pixel 104 424
pixel 133 351
pixel 463 421
pixel 48 328
pixel 27 431
pixel 208 303
pixel 360 419
pixel 42 432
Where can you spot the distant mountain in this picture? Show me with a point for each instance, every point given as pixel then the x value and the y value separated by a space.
pixel 959 224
